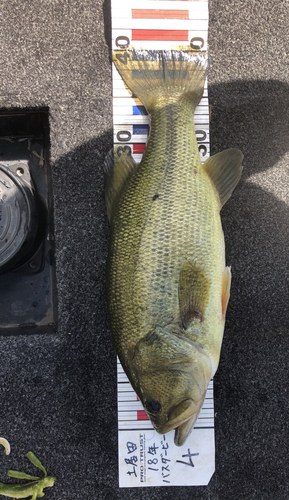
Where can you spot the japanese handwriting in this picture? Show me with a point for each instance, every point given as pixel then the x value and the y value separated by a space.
pixel 133 459
pixel 131 447
pixel 165 465
pixel 153 449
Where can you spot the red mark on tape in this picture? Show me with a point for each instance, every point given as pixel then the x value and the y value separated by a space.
pixel 159 14
pixel 138 148
pixel 163 35
pixel 141 415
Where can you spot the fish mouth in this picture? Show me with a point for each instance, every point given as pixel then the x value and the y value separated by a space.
pixel 182 418
pixel 184 430
pixel 179 414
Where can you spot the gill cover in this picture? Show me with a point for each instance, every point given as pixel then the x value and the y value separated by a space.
pixel 172 374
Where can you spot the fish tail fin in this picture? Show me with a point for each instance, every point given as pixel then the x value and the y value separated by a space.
pixel 156 76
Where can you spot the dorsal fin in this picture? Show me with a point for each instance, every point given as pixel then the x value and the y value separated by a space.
pixel 194 288
pixel 119 165
pixel 224 170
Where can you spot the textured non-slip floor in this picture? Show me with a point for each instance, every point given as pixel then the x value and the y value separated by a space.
pixel 58 392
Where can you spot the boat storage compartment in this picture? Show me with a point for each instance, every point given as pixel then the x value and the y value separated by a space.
pixel 27 270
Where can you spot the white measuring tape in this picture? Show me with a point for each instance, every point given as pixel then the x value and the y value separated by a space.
pixel 145 457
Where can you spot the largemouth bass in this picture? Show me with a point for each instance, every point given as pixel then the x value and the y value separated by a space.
pixel 167 284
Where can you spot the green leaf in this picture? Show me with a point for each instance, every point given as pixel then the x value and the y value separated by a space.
pixel 35 461
pixel 22 475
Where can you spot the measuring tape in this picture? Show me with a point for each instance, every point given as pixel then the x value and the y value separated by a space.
pixel 145 457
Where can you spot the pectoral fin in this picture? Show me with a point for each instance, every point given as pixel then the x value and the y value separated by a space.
pixel 224 170
pixel 226 286
pixel 193 293
pixel 118 167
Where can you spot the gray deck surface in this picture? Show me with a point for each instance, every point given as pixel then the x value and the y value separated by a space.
pixel 58 392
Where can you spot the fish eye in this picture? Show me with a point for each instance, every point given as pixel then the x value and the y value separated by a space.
pixel 153 406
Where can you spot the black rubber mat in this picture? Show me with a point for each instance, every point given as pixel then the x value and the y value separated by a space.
pixel 58 390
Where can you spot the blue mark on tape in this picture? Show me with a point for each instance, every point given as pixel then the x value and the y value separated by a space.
pixel 139 110
pixel 140 129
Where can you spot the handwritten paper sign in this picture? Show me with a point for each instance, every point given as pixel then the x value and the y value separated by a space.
pixel 147 458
